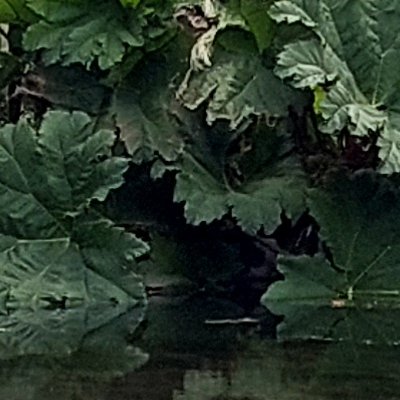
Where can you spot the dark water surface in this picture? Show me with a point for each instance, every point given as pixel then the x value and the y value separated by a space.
pixel 175 356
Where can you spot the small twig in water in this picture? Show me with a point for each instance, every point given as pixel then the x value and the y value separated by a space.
pixel 237 321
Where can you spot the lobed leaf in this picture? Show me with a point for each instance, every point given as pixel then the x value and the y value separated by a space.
pixel 77 32
pixel 142 105
pixel 272 183
pixel 54 253
pixel 355 296
pixel 353 55
pixel 237 86
pixel 77 161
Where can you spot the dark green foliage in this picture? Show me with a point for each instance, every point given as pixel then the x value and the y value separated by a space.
pixel 352 293
pixel 76 32
pixel 194 127
pixel 353 55
pixel 142 104
pixel 255 185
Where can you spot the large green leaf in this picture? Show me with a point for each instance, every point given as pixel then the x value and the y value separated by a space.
pixel 272 180
pixel 233 87
pixel 78 160
pixel 353 54
pixel 54 252
pixel 227 73
pixel 356 297
pixel 236 86
pixel 142 106
pixel 84 32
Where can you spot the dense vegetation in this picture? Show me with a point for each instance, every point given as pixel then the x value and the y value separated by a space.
pixel 217 146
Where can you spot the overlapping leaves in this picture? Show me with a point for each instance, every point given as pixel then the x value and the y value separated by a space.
pixel 237 86
pixel 357 295
pixel 54 251
pixel 353 54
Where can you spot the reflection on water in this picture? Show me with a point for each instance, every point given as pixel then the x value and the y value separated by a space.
pixel 191 361
pixel 28 332
pixel 65 354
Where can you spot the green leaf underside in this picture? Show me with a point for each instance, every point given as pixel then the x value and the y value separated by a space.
pixel 78 32
pixel 361 297
pixel 52 251
pixel 142 108
pixel 275 184
pixel 354 54
pixel 237 86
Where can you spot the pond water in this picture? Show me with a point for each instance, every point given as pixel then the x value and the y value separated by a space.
pixel 175 356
